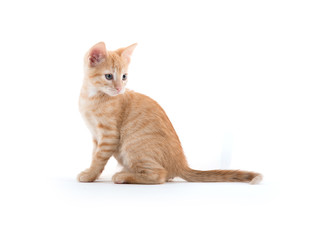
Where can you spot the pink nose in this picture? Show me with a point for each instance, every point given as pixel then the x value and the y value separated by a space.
pixel 118 89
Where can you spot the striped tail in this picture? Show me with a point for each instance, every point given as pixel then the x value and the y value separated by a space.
pixel 192 175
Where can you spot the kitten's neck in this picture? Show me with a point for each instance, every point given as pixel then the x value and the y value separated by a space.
pixel 90 92
pixel 93 94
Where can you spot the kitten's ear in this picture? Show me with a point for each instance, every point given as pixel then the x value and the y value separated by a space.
pixel 127 52
pixel 97 54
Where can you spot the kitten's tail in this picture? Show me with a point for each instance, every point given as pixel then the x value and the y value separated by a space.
pixel 192 175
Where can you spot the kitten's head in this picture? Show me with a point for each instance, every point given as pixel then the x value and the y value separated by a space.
pixel 107 71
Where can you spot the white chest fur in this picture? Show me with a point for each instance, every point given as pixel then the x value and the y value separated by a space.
pixel 97 110
pixel 90 119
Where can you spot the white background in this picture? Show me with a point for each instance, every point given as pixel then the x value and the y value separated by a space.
pixel 243 82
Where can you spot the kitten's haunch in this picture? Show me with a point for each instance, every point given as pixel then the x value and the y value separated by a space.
pixel 134 128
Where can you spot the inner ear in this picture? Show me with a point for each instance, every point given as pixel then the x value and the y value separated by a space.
pixel 97 54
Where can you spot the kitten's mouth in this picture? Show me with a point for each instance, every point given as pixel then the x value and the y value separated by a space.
pixel 121 91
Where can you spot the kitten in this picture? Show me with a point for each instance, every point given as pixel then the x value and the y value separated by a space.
pixel 134 128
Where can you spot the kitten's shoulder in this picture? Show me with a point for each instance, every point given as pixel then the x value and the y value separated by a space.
pixel 136 96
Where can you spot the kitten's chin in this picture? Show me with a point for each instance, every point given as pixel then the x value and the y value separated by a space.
pixel 114 93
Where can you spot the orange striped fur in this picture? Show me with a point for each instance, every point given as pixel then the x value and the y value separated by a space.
pixel 134 128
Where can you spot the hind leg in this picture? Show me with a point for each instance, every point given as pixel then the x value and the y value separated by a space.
pixel 142 172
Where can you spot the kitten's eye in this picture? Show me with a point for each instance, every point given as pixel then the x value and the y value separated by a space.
pixel 125 76
pixel 109 76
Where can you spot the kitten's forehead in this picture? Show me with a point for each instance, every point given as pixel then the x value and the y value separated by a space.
pixel 115 62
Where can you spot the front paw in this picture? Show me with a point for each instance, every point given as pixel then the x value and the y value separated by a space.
pixel 87 176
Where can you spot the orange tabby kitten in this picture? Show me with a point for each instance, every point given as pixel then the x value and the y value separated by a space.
pixel 134 128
